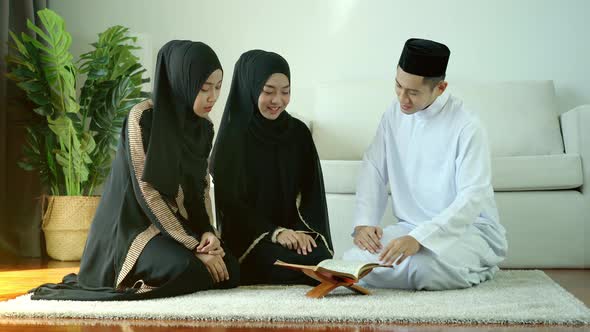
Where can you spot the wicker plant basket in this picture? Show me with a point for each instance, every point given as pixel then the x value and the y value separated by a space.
pixel 66 221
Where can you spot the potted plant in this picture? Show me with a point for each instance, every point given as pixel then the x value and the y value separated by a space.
pixel 73 148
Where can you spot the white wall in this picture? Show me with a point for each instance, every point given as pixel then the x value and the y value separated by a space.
pixel 326 40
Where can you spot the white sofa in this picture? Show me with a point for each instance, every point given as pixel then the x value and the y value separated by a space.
pixel 541 169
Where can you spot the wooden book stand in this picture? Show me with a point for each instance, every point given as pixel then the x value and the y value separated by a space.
pixel 330 282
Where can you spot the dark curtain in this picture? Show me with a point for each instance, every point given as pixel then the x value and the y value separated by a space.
pixel 20 208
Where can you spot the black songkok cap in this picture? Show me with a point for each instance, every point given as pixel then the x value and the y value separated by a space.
pixel 424 57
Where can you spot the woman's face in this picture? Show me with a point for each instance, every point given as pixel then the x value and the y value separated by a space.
pixel 275 96
pixel 208 94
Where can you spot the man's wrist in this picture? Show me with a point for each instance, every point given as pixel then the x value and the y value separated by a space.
pixel 357 228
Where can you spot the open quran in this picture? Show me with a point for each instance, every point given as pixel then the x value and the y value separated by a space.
pixel 333 273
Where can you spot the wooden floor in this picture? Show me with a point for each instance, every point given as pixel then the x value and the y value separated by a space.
pixel 19 275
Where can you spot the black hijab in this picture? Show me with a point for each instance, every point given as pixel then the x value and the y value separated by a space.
pixel 262 166
pixel 181 69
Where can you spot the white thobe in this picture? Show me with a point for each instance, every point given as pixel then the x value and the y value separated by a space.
pixel 436 163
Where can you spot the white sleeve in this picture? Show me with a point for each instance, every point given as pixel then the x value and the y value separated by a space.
pixel 371 191
pixel 473 183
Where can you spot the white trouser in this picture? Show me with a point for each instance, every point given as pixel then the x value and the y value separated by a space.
pixel 467 262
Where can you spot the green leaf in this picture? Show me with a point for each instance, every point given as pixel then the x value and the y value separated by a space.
pixel 30 40
pixel 97 73
pixel 26 166
pixel 25 73
pixel 43 110
pixel 31 86
pixel 39 99
pixel 38 31
pixel 19 45
pixel 61 126
pixel 73 151
pixel 19 60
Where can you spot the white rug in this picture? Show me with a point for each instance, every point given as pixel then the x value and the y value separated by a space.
pixel 513 297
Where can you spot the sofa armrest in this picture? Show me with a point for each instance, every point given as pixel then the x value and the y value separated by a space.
pixel 575 125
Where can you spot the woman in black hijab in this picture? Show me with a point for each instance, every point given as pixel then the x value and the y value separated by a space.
pixel 269 186
pixel 152 235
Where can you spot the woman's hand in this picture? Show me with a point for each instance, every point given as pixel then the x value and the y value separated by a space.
pixel 210 244
pixel 288 239
pixel 301 242
pixel 216 267
pixel 306 243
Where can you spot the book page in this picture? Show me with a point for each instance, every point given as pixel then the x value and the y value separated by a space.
pixel 350 267
pixel 297 266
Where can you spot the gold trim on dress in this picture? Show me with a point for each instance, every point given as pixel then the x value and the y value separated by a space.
pixel 311 229
pixel 135 250
pixel 254 243
pixel 143 287
pixel 152 197
pixel 180 203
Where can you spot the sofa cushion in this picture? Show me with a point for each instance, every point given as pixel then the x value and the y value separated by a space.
pixel 547 172
pixel 521 117
pixel 545 229
pixel 346 116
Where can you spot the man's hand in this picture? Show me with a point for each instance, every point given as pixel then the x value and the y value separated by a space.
pixel 216 267
pixel 402 248
pixel 368 238
pixel 210 244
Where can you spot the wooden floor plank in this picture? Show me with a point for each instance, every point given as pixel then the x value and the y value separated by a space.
pixel 17 282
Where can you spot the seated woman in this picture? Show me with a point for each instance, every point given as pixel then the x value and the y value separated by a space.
pixel 268 179
pixel 151 235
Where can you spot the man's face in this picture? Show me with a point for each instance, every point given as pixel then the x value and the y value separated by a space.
pixel 413 93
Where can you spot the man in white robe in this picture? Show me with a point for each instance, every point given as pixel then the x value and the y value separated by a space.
pixel 433 155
